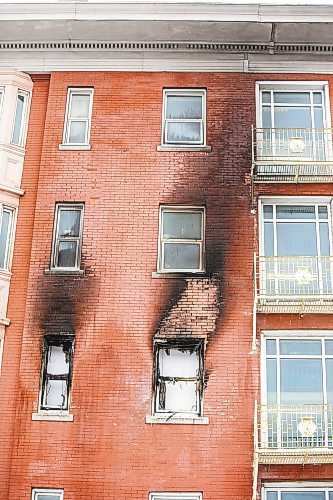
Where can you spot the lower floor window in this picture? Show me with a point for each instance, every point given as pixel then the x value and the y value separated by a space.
pixel 308 492
pixel 45 494
pixel 175 496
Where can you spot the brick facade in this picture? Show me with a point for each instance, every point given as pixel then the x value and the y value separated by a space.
pixel 117 308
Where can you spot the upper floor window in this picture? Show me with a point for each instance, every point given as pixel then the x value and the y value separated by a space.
pixel 184 117
pixel 178 378
pixel 181 235
pixel 56 372
pixel 78 116
pixel 20 118
pixel 298 492
pixel 67 236
pixel 46 494
pixel 293 121
pixel 6 236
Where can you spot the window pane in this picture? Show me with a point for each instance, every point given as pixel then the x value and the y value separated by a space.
pixel 268 211
pixel 271 346
pixel 291 347
pixel 80 106
pixel 300 495
pixel 301 381
pixel 318 119
pixel 271 382
pixel 322 212
pixel 329 380
pixel 56 394
pixel 69 223
pixel 184 107
pixel 4 233
pixel 268 238
pixel 292 97
pixel 180 396
pixel 57 360
pixel 324 239
pixel 67 254
pixel 77 132
pixel 292 117
pixel 18 119
pixel 181 256
pixel 184 132
pixel 182 225
pixel 295 239
pixel 266 117
pixel 47 497
pixel 266 97
pixel 295 212
pixel 178 363
pixel 272 495
pixel 329 346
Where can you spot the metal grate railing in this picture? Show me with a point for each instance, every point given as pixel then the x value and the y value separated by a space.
pixel 292 155
pixel 289 427
pixel 294 277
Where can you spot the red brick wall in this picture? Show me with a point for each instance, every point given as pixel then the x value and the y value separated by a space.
pixel 117 308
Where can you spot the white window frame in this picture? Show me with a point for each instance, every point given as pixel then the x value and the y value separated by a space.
pixel 24 120
pixel 174 344
pixel 293 86
pixel 175 495
pixel 11 234
pixel 162 242
pixel 299 486
pixel 178 93
pixel 2 93
pixel 36 492
pixel 70 92
pixel 56 239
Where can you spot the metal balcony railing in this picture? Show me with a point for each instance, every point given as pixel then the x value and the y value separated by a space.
pixel 293 284
pixel 292 155
pixel 290 433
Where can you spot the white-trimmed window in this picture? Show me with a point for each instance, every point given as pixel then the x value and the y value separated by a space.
pixel 20 118
pixel 181 239
pixel 178 377
pixel 2 90
pixel 6 236
pixel 298 491
pixel 47 494
pixel 56 374
pixel 293 119
pixel 296 242
pixel 176 496
pixel 78 116
pixel 67 236
pixel 184 117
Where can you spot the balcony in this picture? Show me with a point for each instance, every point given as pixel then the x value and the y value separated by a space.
pixel 293 284
pixel 294 434
pixel 292 155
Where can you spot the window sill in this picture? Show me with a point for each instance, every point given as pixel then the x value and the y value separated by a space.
pixel 195 274
pixel 75 147
pixel 189 148
pixel 56 416
pixel 167 419
pixel 64 272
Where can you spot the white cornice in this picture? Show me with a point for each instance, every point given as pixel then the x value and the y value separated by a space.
pixel 167 11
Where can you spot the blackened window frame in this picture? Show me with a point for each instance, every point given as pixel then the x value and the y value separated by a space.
pixel 56 340
pixel 195 344
pixel 56 239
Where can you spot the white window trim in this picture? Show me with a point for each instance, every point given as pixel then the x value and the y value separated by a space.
pixel 293 200
pixel 285 335
pixel 293 86
pixel 176 495
pixel 185 209
pixel 2 94
pixel 54 252
pixel 297 486
pixel 65 139
pixel 24 122
pixel 58 494
pixel 11 235
pixel 186 92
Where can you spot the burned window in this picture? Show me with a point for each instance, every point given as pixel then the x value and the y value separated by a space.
pixel 67 239
pixel 181 247
pixel 57 372
pixel 46 494
pixel 178 378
